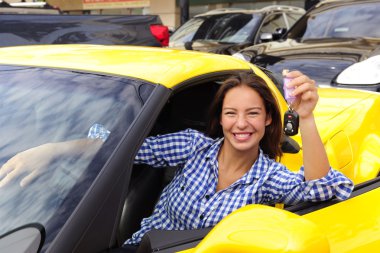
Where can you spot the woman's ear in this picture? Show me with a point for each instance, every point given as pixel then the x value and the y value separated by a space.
pixel 268 120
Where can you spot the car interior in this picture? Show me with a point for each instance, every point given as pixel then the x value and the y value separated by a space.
pixel 185 109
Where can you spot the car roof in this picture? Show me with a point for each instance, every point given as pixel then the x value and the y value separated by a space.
pixel 270 8
pixel 157 65
pixel 326 2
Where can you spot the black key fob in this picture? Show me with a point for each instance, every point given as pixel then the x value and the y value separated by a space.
pixel 291 122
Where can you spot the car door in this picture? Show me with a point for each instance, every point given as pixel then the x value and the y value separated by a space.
pixel 94 226
pixel 80 182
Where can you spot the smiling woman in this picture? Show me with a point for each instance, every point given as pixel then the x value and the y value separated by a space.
pixel 217 176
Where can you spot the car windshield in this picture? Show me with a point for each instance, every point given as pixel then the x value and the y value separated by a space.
pixel 40 105
pixel 320 70
pixel 225 28
pixel 339 22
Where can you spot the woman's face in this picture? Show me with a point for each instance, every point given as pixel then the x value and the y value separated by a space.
pixel 243 119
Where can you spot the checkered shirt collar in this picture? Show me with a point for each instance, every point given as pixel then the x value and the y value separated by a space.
pixel 257 170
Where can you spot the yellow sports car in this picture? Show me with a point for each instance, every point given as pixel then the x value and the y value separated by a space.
pixel 93 202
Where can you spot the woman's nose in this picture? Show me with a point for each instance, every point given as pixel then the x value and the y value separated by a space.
pixel 241 121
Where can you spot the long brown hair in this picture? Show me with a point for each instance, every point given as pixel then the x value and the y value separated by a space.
pixel 270 143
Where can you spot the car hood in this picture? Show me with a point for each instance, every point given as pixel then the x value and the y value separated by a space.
pixel 340 115
pixel 338 107
pixel 360 48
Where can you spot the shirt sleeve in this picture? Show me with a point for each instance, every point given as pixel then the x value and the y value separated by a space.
pixel 170 149
pixel 292 187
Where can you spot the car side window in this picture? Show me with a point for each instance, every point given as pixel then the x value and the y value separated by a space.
pixel 187 31
pixel 338 22
pixel 271 23
pixel 43 105
pixel 233 28
pixel 292 18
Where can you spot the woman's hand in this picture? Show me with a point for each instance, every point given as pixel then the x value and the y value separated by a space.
pixel 305 91
pixel 34 162
pixel 28 164
pixel 315 159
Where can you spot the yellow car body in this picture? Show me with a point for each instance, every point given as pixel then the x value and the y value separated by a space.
pixel 347 120
pixel 349 226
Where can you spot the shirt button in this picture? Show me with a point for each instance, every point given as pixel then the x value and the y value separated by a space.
pixel 182 188
pixel 201 217
pixel 207 197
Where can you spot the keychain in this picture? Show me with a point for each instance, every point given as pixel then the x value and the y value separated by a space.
pixel 291 119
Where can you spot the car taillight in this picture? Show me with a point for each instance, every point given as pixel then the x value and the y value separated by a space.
pixel 161 33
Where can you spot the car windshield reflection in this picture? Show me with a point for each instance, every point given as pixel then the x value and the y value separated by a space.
pixel 39 106
pixel 226 28
pixel 339 22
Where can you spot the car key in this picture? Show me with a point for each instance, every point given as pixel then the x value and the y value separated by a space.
pixel 291 122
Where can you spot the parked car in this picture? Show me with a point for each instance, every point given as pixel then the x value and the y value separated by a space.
pixel 326 40
pixel 92 202
pixel 217 29
pixel 26 29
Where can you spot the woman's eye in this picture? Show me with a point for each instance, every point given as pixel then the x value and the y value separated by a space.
pixel 229 113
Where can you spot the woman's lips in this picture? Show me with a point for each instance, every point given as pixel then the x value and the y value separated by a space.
pixel 242 136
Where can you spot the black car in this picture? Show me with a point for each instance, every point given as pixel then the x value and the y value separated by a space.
pixel 326 40
pixel 217 30
pixel 30 29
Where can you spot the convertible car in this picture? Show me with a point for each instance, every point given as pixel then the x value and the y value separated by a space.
pixel 94 201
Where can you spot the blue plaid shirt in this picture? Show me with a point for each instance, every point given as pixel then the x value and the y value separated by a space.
pixel 191 201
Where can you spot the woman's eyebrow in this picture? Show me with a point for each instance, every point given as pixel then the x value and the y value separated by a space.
pixel 255 107
pixel 248 109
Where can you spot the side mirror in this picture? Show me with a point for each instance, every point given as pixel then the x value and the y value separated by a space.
pixel 188 45
pixel 259 228
pixel 25 239
pixel 266 37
